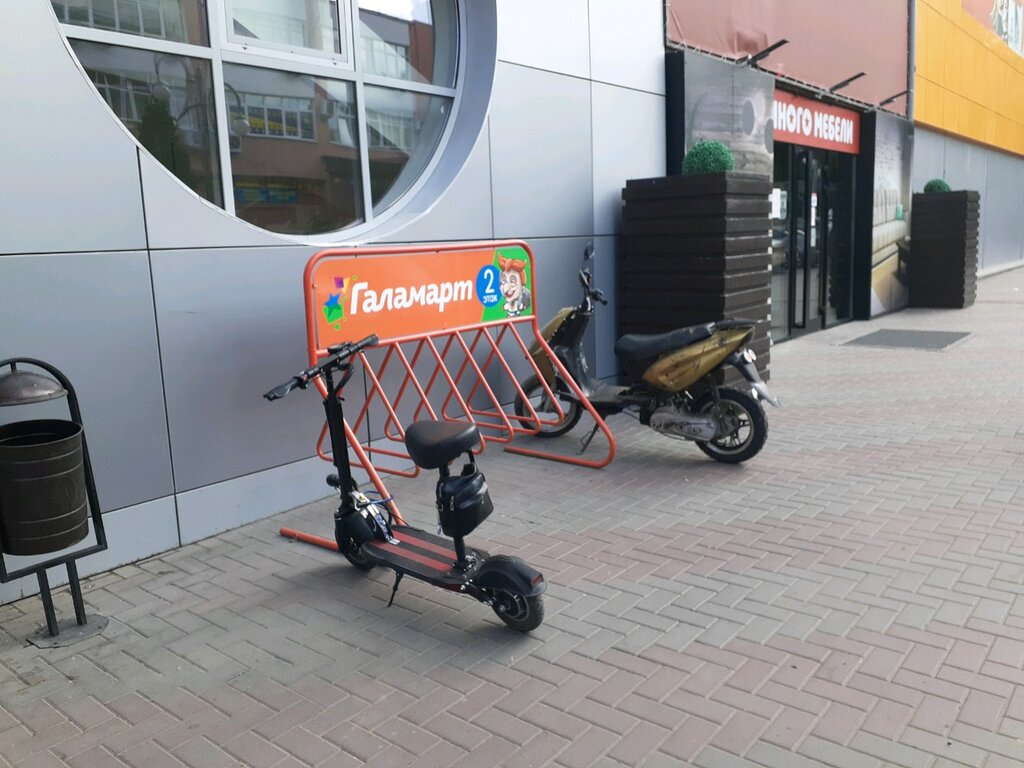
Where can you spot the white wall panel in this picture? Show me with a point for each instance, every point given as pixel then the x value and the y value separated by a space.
pixel 554 36
pixel 627 43
pixel 626 146
pixel 70 170
pixel 90 315
pixel 541 154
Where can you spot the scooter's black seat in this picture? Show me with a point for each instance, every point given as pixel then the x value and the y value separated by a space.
pixel 639 346
pixel 432 444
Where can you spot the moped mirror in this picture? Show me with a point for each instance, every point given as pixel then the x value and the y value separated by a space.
pixel 588 252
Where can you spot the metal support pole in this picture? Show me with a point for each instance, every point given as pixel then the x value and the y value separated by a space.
pixel 44 594
pixel 76 593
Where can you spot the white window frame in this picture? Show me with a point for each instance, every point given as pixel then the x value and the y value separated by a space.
pixel 345 59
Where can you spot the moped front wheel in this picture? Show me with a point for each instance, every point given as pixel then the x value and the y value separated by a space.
pixel 519 612
pixel 745 427
pixel 545 409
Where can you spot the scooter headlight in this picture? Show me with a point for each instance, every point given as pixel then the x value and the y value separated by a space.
pixel 748 355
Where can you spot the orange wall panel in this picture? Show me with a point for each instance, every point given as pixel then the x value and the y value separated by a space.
pixel 967 80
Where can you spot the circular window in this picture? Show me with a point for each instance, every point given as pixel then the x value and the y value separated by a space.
pixel 299 116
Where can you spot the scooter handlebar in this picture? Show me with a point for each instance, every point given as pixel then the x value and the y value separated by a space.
pixel 338 354
pixel 283 389
pixel 348 348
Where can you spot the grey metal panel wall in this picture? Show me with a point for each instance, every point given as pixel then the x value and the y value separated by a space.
pixel 91 315
pixel 463 211
pixel 1002 203
pixel 541 173
pixel 996 175
pixel 231 327
pixel 627 49
pixel 71 176
pixel 624 147
pixel 169 203
pixel 548 36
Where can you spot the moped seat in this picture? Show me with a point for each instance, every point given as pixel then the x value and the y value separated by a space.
pixel 433 444
pixel 638 346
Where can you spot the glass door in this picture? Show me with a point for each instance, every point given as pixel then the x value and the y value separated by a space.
pixel 812 240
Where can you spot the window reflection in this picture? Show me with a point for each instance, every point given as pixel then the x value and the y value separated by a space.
pixel 403 129
pixel 294 141
pixel 408 40
pixel 296 169
pixel 293 23
pixel 182 21
pixel 166 101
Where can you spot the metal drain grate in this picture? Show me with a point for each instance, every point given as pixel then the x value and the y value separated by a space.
pixel 891 337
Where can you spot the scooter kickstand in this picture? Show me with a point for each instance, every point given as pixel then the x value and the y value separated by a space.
pixel 394 589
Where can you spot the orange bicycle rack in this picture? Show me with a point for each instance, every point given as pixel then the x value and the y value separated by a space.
pixel 450 319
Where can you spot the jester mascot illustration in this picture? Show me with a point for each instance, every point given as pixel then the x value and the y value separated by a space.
pixel 512 279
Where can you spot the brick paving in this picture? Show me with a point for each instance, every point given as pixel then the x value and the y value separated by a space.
pixel 853 598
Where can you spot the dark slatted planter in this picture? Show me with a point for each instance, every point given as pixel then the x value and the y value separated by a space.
pixel 695 249
pixel 944 249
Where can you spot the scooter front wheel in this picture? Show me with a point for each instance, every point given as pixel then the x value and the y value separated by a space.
pixel 545 409
pixel 519 612
pixel 357 558
pixel 742 417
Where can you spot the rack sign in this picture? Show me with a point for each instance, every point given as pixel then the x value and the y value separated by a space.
pixel 409 294
pixel 810 123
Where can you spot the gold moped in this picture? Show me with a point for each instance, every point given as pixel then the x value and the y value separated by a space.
pixel 675 390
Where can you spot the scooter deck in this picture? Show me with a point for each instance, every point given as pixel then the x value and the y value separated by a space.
pixel 424 556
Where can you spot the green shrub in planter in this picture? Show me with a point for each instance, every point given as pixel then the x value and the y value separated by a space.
pixel 936 185
pixel 707 157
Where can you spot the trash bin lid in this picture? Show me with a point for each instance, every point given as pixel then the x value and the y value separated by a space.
pixel 23 387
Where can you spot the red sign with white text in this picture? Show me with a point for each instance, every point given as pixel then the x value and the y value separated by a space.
pixel 810 123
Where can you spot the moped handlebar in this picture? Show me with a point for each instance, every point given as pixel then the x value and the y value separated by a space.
pixel 339 353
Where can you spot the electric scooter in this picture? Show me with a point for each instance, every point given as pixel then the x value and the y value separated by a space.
pixel 367 533
pixel 674 391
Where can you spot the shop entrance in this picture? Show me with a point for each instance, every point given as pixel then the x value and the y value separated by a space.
pixel 812 239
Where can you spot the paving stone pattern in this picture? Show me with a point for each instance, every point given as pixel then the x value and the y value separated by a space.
pixel 853 597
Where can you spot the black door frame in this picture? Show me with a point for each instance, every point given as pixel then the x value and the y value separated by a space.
pixel 807 166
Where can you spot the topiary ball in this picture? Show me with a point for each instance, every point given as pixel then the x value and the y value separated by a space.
pixel 707 157
pixel 936 185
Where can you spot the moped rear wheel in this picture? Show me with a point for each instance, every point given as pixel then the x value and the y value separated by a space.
pixel 519 612
pixel 545 409
pixel 746 427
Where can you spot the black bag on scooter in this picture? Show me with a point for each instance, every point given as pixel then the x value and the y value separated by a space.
pixel 463 501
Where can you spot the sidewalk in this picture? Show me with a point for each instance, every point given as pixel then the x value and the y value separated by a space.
pixel 852 597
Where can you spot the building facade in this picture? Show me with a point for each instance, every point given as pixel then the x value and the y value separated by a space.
pixel 171 165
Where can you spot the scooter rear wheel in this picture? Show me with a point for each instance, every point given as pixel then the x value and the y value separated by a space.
pixel 545 409
pixel 519 612
pixel 744 417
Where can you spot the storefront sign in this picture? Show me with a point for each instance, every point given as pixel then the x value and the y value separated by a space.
pixel 418 293
pixel 798 120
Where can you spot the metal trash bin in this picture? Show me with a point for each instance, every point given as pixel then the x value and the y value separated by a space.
pixel 47 494
pixel 43 503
